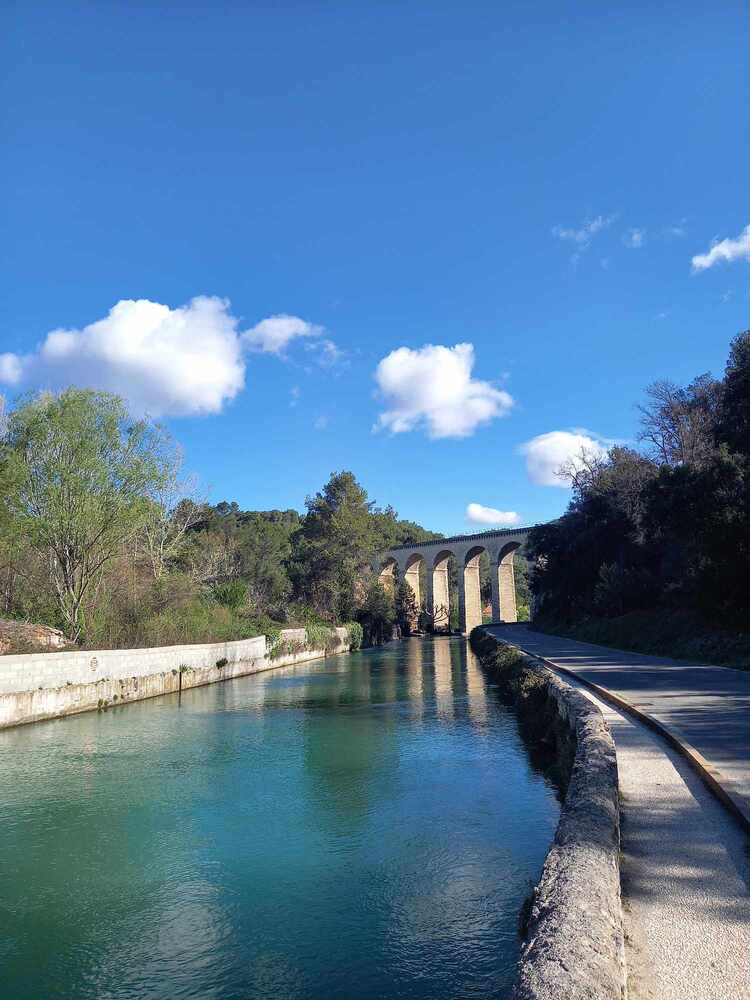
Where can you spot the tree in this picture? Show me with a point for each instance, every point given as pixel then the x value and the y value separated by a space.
pixel 76 475
pixel 734 426
pixel 407 610
pixel 333 546
pixel 680 424
pixel 377 613
pixel 263 548
pixel 175 507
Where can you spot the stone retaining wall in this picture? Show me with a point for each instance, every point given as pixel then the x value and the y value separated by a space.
pixel 573 949
pixel 49 685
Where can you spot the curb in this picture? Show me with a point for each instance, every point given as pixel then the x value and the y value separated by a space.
pixel 712 778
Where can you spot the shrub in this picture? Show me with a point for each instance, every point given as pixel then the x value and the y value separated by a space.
pixel 232 594
pixel 318 636
pixel 356 635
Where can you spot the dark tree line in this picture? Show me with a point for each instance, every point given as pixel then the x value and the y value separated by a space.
pixel 666 526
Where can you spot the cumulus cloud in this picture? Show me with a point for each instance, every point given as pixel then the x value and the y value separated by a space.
pixel 274 334
pixel 728 250
pixel 165 362
pixel 432 389
pixel 547 453
pixel 479 514
pixel 634 238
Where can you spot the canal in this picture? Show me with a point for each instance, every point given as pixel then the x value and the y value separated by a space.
pixel 362 826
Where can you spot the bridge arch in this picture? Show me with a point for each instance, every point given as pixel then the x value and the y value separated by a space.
pixel 506 609
pixel 414 567
pixel 387 575
pixel 440 609
pixel 470 595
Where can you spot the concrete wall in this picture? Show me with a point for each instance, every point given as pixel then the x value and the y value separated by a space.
pixel 48 685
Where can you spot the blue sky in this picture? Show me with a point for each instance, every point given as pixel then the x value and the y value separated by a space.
pixel 534 182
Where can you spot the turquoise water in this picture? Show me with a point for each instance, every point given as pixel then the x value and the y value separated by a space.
pixel 360 827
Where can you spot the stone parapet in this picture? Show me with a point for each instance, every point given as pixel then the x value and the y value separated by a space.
pixel 573 948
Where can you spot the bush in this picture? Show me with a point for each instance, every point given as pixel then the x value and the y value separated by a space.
pixel 319 636
pixel 232 594
pixel 356 635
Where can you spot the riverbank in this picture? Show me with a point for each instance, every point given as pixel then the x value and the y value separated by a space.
pixel 39 686
pixel 574 945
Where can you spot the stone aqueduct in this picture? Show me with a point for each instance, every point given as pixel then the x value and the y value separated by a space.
pixel 405 562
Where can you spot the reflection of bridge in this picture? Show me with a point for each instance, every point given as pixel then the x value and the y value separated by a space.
pixel 433 559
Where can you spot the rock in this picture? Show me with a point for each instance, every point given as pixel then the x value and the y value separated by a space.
pixel 18 636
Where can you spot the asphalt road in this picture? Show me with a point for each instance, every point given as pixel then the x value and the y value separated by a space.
pixel 703 705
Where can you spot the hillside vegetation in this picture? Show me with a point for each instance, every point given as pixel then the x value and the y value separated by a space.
pixel 102 536
pixel 654 548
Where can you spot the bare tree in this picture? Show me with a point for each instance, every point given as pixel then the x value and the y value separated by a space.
pixel 678 424
pixel 583 470
pixel 175 507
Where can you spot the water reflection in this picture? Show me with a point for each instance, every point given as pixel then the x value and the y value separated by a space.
pixel 476 688
pixel 415 677
pixel 443 666
pixel 361 826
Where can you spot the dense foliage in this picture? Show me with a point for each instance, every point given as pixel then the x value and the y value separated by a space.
pixel 102 537
pixel 665 528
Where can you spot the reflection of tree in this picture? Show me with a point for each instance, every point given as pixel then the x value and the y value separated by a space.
pixel 349 753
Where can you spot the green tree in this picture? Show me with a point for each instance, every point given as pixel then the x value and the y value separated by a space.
pixel 75 476
pixel 734 426
pixel 377 614
pixel 407 610
pixel 333 547
pixel 263 549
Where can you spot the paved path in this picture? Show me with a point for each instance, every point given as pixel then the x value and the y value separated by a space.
pixel 685 875
pixel 685 864
pixel 705 706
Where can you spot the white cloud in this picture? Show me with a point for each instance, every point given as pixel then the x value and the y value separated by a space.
pixel 678 231
pixel 728 249
pixel 546 453
pixel 321 423
pixel 164 361
pixel 274 334
pixel 490 515
pixel 634 238
pixel 431 388
pixel 586 232
pixel 11 369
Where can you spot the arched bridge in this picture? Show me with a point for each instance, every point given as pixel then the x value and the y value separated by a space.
pixel 433 559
